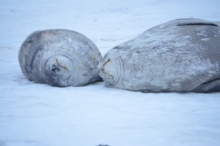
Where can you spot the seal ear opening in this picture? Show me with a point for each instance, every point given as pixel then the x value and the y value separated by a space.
pixel 187 22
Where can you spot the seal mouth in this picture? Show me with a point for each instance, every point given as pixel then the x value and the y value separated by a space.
pixel 58 70
pixel 110 70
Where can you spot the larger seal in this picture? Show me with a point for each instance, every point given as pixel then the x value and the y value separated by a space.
pixel 182 55
pixel 59 57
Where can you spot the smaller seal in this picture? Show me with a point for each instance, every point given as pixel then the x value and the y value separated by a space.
pixel 59 57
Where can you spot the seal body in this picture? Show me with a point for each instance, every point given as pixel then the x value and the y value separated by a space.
pixel 59 57
pixel 182 55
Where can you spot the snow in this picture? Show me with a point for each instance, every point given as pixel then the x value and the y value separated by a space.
pixel 41 115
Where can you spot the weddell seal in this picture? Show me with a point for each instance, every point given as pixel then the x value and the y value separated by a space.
pixel 182 55
pixel 59 57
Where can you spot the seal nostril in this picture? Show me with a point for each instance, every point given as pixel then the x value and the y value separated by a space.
pixel 55 69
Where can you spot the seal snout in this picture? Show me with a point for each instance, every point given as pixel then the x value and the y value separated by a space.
pixel 59 66
pixel 109 70
pixel 58 69
pixel 106 69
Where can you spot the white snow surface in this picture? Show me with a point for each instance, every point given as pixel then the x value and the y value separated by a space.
pixel 34 114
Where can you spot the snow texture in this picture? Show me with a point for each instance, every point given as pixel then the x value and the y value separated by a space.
pixel 34 114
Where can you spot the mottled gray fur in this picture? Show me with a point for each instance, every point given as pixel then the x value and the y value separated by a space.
pixel 182 55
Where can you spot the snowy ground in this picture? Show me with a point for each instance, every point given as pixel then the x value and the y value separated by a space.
pixel 40 115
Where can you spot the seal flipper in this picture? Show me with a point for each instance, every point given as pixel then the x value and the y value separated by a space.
pixel 213 86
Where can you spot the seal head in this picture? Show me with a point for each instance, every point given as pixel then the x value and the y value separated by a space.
pixel 59 57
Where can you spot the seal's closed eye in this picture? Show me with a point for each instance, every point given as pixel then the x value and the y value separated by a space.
pixel 187 22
